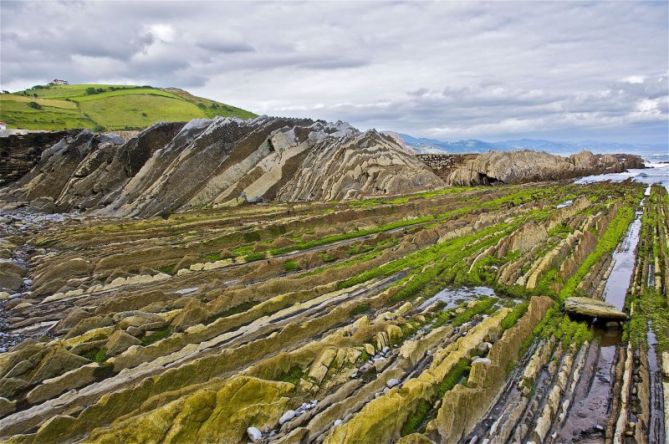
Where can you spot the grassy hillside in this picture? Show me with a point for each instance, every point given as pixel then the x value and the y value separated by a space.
pixel 110 107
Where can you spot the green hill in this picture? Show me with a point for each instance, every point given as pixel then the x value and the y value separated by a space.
pixel 106 107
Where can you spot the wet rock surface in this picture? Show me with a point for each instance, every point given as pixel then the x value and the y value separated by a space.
pixel 346 321
pixel 593 308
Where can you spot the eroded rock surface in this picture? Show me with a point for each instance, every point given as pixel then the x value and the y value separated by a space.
pixel 173 166
pixel 593 308
pixel 349 321
pixel 526 166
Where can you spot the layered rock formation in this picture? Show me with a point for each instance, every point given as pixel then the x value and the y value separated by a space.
pixel 593 308
pixel 524 166
pixel 338 322
pixel 19 153
pixel 172 166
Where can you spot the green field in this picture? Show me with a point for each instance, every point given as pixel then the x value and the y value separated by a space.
pixel 106 107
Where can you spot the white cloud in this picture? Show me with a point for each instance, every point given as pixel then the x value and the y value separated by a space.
pixel 461 69
pixel 165 33
pixel 634 80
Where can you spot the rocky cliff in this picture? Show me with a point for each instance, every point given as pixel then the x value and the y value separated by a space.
pixel 172 166
pixel 525 166
pixel 20 152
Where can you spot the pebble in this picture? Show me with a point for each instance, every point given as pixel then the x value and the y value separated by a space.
pixel 380 364
pixel 484 346
pixel 337 422
pixel 287 416
pixel 392 383
pixel 254 434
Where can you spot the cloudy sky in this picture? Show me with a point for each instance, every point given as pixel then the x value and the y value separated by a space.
pixel 493 70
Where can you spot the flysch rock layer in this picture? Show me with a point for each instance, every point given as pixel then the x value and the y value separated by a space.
pixel 176 166
pixel 528 166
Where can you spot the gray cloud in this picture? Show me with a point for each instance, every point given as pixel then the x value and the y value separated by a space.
pixel 226 47
pixel 444 69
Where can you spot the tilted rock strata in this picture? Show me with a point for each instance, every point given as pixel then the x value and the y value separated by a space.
pixel 172 166
pixel 305 322
pixel 19 153
pixel 593 308
pixel 530 166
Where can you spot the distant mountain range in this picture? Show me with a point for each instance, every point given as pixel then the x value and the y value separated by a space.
pixel 425 145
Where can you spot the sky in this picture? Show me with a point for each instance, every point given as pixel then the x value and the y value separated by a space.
pixel 497 70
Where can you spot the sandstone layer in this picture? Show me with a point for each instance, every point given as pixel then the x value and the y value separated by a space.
pixel 176 166
pixel 354 321
pixel 524 166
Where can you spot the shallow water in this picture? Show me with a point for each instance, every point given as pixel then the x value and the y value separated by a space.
pixel 453 296
pixel 588 416
pixel 623 266
pixel 655 173
pixel 565 204
pixel 656 426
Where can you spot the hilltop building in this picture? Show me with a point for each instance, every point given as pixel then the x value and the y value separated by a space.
pixel 59 82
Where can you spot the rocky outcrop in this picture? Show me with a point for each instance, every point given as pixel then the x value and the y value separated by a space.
pixel 19 153
pixel 530 166
pixel 593 308
pixel 444 164
pixel 464 406
pixel 172 166
pixel 207 415
pixel 315 322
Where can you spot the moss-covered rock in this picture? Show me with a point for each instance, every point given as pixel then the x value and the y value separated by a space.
pixel 194 313
pixel 56 362
pixel 207 415
pixel 119 342
pixel 6 407
pixel 51 388
pixel 10 386
pixel 381 419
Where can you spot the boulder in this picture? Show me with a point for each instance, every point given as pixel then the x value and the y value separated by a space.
pixel 10 281
pixel 56 276
pixel 287 416
pixel 593 308
pixel 320 366
pixel 10 386
pixel 145 321
pixel 194 313
pixel 6 407
pixel 50 388
pixel 72 318
pixel 11 267
pixel 57 362
pixel 44 204
pixel 119 342
pixel 89 324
